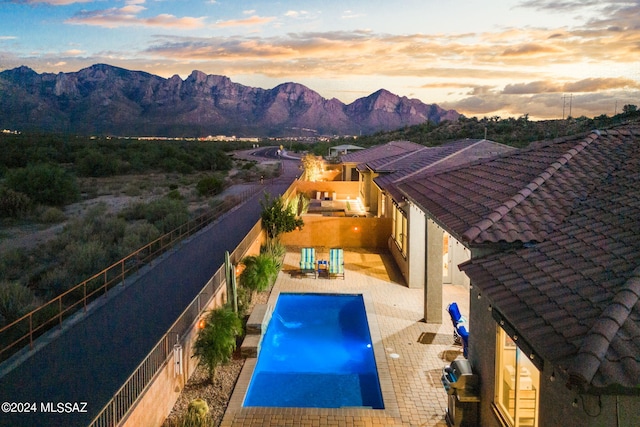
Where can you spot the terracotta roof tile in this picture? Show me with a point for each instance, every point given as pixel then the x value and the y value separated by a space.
pixel 576 295
pixel 380 151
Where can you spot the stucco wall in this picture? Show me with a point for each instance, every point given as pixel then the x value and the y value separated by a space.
pixel 343 189
pixel 459 254
pixel 158 400
pixel 348 232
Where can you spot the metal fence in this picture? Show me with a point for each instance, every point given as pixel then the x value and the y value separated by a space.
pixel 25 330
pixel 134 387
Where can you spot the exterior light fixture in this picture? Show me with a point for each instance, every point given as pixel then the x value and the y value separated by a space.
pixel 202 323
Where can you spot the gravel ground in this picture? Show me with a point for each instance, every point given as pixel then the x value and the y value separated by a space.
pixel 216 395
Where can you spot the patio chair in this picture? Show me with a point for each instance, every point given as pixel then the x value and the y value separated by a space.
pixel 308 261
pixel 457 320
pixel 464 337
pixel 336 262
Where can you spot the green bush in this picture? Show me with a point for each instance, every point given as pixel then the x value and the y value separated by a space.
pixel 84 259
pixel 14 262
pixel 275 249
pixel 165 214
pixel 92 163
pixel 13 204
pixel 277 218
pixel 210 186
pixel 175 195
pixel 259 272
pixel 44 183
pixel 52 215
pixel 15 301
pixel 138 235
pixel 216 341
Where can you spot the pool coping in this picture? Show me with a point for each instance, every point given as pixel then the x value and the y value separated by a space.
pixel 391 408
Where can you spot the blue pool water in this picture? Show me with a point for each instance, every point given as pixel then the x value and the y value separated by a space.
pixel 316 353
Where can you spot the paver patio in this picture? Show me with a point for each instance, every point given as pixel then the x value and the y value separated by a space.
pixel 410 354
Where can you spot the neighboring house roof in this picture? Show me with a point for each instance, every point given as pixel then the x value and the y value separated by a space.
pixel 380 151
pixel 520 196
pixel 338 149
pixel 431 160
pixel 574 298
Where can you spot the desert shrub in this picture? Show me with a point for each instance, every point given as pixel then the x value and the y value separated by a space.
pixel 44 183
pixel 52 215
pixel 175 195
pixel 13 204
pixel 244 300
pixel 216 341
pixel 275 249
pixel 13 263
pixel 55 281
pixel 138 235
pixel 97 224
pixel 132 190
pixel 94 163
pixel 84 259
pixel 172 221
pixel 210 186
pixel 16 300
pixel 155 210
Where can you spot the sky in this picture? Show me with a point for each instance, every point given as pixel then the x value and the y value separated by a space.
pixel 547 59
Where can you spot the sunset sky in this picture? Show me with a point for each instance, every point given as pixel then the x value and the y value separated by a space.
pixel 482 58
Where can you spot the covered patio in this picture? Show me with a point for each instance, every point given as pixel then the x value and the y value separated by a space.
pixel 410 353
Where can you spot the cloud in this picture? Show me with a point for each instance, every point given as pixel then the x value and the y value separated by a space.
pixel 584 85
pixel 529 49
pixel 560 6
pixel 51 2
pixel 128 16
pixel 247 22
pixel 73 52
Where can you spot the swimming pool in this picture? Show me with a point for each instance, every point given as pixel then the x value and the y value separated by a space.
pixel 316 353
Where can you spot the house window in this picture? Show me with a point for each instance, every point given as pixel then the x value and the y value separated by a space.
pixel 517 384
pixel 399 229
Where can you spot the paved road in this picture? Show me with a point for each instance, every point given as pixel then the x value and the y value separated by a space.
pixel 91 360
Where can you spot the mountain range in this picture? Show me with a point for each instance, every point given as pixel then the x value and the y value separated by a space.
pixel 107 100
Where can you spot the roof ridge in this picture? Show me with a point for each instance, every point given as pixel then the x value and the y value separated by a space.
pixel 598 340
pixel 422 169
pixel 402 156
pixel 498 213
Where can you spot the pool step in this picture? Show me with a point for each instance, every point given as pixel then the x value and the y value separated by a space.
pixel 249 347
pixel 254 324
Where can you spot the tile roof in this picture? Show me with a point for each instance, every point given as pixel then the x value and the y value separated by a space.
pixel 389 149
pixel 575 298
pixel 431 159
pixel 520 196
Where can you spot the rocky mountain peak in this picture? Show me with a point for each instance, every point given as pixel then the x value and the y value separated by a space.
pixel 103 99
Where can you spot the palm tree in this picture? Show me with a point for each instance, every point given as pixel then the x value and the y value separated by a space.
pixel 216 341
pixel 259 272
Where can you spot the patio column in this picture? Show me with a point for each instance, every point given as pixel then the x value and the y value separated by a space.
pixel 433 274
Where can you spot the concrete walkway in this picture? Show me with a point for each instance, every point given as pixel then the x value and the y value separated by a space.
pixel 410 354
